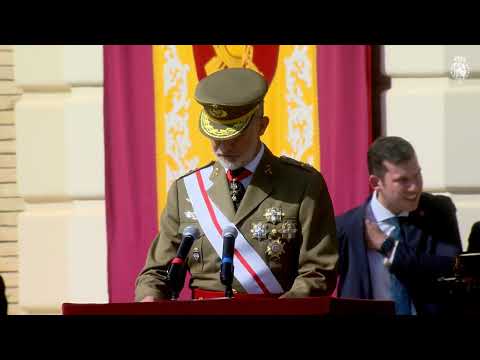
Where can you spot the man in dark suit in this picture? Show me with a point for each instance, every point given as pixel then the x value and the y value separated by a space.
pixel 401 240
pixel 474 238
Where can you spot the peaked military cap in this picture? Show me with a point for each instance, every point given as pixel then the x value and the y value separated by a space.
pixel 230 99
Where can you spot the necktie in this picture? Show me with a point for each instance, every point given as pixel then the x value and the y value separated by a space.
pixel 237 190
pixel 403 305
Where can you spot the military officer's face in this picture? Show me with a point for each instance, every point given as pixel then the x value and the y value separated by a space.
pixel 400 187
pixel 239 151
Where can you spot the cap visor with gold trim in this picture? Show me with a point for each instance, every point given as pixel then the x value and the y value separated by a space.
pixel 230 100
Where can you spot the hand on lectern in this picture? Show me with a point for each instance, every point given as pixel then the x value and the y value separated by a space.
pixel 148 298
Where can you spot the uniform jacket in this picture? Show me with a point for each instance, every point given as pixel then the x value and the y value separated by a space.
pixel 308 265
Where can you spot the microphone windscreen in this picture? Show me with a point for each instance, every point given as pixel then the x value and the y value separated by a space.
pixel 192 231
pixel 189 235
pixel 230 231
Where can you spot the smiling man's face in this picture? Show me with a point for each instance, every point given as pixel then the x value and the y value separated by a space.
pixel 400 187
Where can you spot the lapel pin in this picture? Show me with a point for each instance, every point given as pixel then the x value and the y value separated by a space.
pixel 196 254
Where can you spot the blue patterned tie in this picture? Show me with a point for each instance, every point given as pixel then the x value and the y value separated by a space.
pixel 399 292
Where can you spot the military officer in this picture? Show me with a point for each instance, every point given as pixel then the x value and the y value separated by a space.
pixel 286 244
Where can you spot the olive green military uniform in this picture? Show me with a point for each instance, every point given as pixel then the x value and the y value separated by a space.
pixel 307 265
pixel 299 246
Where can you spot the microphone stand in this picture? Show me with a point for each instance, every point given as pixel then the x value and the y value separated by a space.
pixel 177 270
pixel 226 277
pixel 229 291
pixel 226 268
pixel 176 281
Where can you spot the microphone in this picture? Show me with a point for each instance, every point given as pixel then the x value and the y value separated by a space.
pixel 177 270
pixel 229 235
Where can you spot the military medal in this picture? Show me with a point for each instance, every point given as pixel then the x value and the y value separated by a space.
pixel 288 230
pixel 235 190
pixel 274 234
pixel 196 254
pixel 274 215
pixel 274 249
pixel 259 231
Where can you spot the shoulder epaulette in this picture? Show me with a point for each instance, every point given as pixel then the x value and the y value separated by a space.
pixel 199 168
pixel 297 163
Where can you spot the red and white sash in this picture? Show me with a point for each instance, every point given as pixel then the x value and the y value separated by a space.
pixel 250 269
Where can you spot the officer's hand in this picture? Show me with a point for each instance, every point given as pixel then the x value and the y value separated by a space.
pixel 373 235
pixel 148 298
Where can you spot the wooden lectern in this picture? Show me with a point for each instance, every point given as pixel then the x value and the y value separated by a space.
pixel 312 306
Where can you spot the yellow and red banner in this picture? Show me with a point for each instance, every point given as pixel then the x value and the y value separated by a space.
pixel 318 103
pixel 291 102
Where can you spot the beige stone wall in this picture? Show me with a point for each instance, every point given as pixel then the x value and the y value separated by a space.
pixel 10 203
pixel 441 117
pixel 62 235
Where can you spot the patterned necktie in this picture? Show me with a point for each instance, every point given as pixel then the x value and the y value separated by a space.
pixel 237 190
pixel 403 304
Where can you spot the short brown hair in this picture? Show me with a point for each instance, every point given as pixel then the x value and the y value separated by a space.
pixel 393 149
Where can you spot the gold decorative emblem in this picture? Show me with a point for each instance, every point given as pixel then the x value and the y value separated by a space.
pixel 196 254
pixel 274 234
pixel 218 113
pixel 259 231
pixel 275 249
pixel 231 56
pixel 274 215
pixel 288 230
pixel 224 133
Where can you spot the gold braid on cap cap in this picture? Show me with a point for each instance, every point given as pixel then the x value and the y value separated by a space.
pixel 232 121
pixel 221 133
pixel 233 127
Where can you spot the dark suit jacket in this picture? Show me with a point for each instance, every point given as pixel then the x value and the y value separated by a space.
pixel 432 241
pixel 474 238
